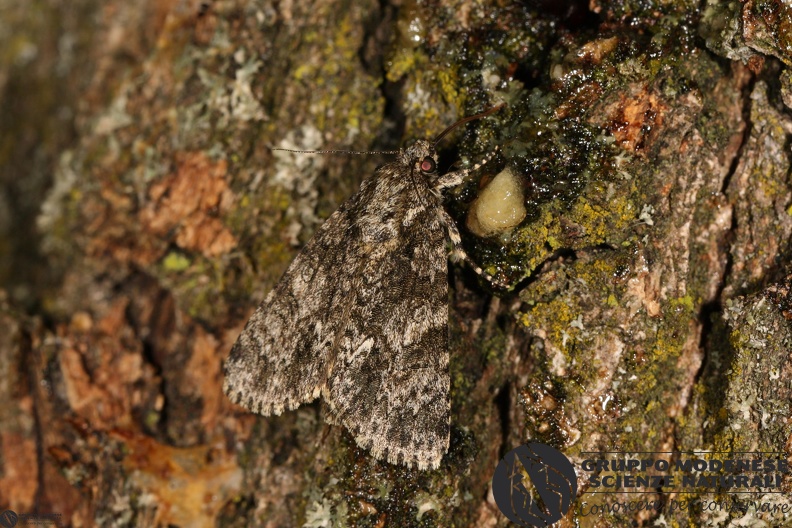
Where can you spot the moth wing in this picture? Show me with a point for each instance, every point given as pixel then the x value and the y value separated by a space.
pixel 282 357
pixel 390 383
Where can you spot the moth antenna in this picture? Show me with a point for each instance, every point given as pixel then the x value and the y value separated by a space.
pixel 337 151
pixel 466 120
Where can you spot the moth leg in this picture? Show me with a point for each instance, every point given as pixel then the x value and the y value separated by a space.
pixel 452 179
pixel 458 253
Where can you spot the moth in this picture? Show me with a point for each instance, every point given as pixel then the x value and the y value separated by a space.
pixel 360 317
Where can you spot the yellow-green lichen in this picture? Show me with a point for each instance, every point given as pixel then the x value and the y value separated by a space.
pixel 555 317
pixel 175 262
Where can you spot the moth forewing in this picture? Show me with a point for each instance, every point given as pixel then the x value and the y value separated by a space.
pixel 360 317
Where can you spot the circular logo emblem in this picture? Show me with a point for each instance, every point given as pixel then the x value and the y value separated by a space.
pixel 8 519
pixel 534 485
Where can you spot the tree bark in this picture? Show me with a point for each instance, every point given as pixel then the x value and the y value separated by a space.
pixel 143 217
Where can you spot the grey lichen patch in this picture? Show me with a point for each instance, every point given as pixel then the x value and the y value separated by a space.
pixel 59 207
pixel 761 189
pixel 322 513
pixel 756 398
pixel 236 101
pixel 359 492
pixel 296 174
pixel 749 32
pixel 744 391
pixel 786 87
pixel 721 26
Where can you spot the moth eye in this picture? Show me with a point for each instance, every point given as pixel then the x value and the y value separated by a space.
pixel 428 164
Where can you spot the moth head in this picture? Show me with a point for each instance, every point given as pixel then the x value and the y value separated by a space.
pixel 421 156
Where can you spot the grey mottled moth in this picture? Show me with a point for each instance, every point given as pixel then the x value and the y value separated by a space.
pixel 360 317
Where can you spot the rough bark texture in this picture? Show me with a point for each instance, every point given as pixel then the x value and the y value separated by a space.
pixel 142 218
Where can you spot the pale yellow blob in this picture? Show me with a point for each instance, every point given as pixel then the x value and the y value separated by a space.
pixel 499 206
